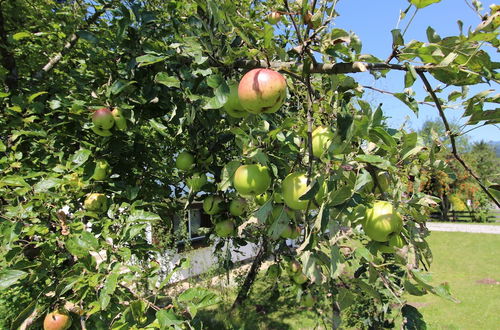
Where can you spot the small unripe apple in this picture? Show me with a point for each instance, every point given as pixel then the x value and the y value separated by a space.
pixel 120 120
pixel 224 228
pixel 262 198
pixel 237 207
pixel 211 205
pixel 300 278
pixel 382 221
pixel 397 241
pixel 57 320
pixel 278 197
pixel 274 17
pixel 291 232
pixel 101 132
pixel 101 170
pixel 273 272
pixel 308 300
pixel 197 181
pixel 96 202
pixel 262 91
pixel 103 119
pixel 251 180
pixel 322 137
pixel 383 180
pixel 233 106
pixel 184 161
pixel 295 266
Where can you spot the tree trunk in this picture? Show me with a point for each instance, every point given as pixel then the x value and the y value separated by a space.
pixel 252 274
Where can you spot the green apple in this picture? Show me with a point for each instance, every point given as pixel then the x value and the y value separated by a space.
pixel 383 179
pixel 277 197
pixel 251 180
pixel 291 232
pixel 293 187
pixel 57 320
pixel 237 207
pixel 120 120
pixel 299 278
pixel 262 91
pixel 382 221
pixel 308 300
pixel 224 228
pixel 274 17
pixel 322 137
pixel 101 132
pixel 397 241
pixel 295 266
pixel 184 161
pixel 96 202
pixel 211 205
pixel 262 198
pixel 102 170
pixel 197 181
pixel 103 119
pixel 233 106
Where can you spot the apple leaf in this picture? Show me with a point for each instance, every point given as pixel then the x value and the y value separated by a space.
pixel 166 80
pixel 9 277
pixel 227 174
pixel 412 318
pixel 86 35
pixel 423 3
pixel 167 319
pixel 46 184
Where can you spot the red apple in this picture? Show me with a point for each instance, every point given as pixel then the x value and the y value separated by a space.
pixel 57 320
pixel 262 91
pixel 103 119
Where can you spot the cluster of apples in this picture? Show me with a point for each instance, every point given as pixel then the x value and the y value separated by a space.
pixel 104 119
pixel 259 91
pixel 312 21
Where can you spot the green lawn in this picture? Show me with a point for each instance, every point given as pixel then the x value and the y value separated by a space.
pixel 470 263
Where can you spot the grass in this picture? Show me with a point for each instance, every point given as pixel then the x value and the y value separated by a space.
pixel 470 263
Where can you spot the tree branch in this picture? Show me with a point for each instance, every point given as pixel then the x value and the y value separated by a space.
pixel 327 68
pixel 8 59
pixel 454 151
pixel 73 39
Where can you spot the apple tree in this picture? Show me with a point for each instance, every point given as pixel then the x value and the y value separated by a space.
pixel 119 115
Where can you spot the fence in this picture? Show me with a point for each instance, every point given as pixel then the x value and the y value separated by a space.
pixel 466 216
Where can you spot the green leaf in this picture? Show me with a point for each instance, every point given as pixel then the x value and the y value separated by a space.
pixel 166 80
pixel 21 35
pixel 376 160
pixel 432 36
pixel 141 215
pixel 13 181
pixel 80 245
pixel 167 319
pixel 227 174
pixel 119 85
pixel 412 144
pixel 378 133
pixel 9 277
pixel 408 100
pixel 46 184
pixel 21 317
pixel 339 196
pixel 80 157
pixel 149 59
pixel 3 148
pixel 410 75
pixel 423 3
pixel 86 35
pixel 34 96
pixel 159 127
pixel 397 38
pixel 412 318
pixel 490 116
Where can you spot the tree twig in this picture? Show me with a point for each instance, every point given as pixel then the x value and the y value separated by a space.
pixel 454 150
pixel 73 39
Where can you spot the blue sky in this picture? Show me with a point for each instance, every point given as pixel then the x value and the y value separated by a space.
pixel 373 21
